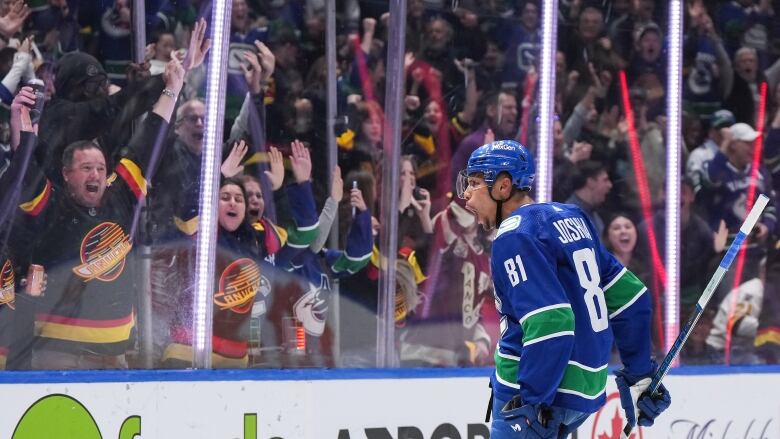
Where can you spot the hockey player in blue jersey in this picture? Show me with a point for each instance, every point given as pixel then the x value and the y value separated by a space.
pixel 561 297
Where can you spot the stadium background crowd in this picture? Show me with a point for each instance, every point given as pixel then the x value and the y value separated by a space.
pixel 471 76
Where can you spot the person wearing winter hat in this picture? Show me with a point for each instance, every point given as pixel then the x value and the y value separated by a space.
pixel 83 109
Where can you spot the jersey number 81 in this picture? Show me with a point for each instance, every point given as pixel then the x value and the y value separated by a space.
pixel 589 277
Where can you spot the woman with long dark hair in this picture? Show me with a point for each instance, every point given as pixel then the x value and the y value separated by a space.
pixel 243 252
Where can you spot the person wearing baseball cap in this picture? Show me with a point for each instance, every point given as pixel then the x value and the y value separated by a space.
pixel 742 132
pixel 729 177
pixel 722 119
pixel 694 167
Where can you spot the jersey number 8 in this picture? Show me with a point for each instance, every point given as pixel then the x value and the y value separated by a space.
pixel 588 273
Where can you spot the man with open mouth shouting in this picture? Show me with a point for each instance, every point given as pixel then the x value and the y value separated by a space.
pixel 84 233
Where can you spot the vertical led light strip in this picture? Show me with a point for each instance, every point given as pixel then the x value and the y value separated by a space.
pixel 544 151
pixel 209 185
pixel 673 173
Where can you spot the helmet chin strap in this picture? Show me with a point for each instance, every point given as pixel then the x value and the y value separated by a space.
pixel 499 204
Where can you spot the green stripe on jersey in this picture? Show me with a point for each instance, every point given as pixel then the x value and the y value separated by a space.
pixel 583 381
pixel 301 238
pixel 506 370
pixel 622 291
pixel 350 265
pixel 547 322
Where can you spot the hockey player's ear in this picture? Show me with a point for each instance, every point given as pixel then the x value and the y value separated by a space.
pixel 504 183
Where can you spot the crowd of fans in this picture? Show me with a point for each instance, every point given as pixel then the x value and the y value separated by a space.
pixel 101 189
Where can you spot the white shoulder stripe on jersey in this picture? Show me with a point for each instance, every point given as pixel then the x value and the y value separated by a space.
pixel 307 228
pixel 543 309
pixel 509 224
pixel 588 368
pixel 507 356
pixel 615 279
pixel 583 395
pixel 630 302
pixel 549 336
pixel 358 258
pixel 507 383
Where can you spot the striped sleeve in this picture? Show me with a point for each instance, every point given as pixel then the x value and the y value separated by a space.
pixel 305 215
pixel 622 292
pixel 583 381
pixel 547 322
pixel 35 205
pixel 132 175
pixel 630 312
pixel 526 279
pixel 359 246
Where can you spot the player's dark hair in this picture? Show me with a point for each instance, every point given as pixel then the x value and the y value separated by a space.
pixel 514 188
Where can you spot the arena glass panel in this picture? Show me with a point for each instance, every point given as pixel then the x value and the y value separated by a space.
pixel 465 83
pixel 367 127
pixel 317 229
pixel 609 149
pixel 100 180
pixel 611 63
pixel 739 325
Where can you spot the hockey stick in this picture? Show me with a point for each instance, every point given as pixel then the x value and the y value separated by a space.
pixel 724 266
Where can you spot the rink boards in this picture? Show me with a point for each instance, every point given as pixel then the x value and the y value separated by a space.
pixel 350 404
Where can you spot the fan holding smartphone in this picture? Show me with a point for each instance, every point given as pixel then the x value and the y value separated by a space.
pixel 414 201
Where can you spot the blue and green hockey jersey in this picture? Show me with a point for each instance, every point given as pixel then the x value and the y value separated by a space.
pixel 562 297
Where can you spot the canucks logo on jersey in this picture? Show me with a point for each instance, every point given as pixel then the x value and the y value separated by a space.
pixel 103 253
pixel 312 308
pixel 7 285
pixel 238 286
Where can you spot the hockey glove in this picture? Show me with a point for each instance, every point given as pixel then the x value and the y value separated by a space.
pixel 637 402
pixel 532 421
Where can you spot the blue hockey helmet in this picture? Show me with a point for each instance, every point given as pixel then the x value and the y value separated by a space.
pixel 503 156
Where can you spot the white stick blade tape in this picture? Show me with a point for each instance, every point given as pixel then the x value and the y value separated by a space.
pixel 755 212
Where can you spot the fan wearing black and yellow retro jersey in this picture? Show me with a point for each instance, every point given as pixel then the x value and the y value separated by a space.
pixel 83 233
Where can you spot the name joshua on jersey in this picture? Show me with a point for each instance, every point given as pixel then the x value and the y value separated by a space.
pixel 572 230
